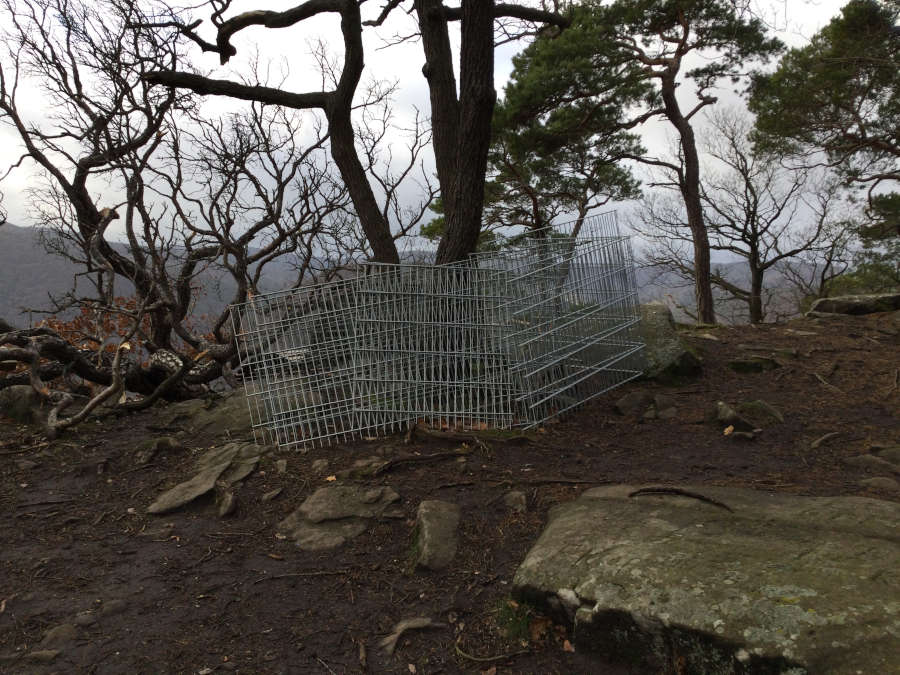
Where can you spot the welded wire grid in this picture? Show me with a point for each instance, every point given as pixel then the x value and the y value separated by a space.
pixel 297 363
pixel 511 338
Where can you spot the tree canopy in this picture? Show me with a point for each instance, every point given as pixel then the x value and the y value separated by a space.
pixel 840 95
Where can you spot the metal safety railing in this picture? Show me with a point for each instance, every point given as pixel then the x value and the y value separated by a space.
pixel 510 338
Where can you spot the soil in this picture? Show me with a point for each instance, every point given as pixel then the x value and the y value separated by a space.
pixel 192 592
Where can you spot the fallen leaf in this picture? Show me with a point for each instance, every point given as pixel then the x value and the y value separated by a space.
pixel 538 628
pixel 728 429
pixel 275 556
pixel 567 646
pixel 490 671
pixel 411 667
pixel 331 478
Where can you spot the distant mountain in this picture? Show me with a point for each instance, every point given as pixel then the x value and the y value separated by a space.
pixel 28 274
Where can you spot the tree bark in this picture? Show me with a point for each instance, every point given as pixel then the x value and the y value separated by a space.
pixel 689 185
pixel 755 299
pixel 476 109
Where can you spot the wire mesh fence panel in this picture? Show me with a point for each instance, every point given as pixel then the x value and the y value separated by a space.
pixel 297 363
pixel 510 338
pixel 431 347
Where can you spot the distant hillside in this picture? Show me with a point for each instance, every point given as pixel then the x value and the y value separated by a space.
pixel 28 274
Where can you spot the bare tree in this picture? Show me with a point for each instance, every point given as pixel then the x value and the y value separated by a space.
pixel 336 103
pixel 194 198
pixel 754 209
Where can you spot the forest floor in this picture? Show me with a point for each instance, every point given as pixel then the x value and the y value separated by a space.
pixel 120 590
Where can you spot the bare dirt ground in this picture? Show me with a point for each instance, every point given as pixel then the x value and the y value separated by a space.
pixel 190 592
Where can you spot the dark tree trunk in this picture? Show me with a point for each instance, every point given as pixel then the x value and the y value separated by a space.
pixel 438 71
pixel 476 109
pixel 689 184
pixel 755 298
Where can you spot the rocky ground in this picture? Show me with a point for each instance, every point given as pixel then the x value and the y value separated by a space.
pixel 280 561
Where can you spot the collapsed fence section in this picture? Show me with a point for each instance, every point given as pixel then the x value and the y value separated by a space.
pixel 511 338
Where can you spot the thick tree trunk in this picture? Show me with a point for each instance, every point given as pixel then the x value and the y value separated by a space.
pixel 438 71
pixel 690 192
pixel 755 299
pixel 476 109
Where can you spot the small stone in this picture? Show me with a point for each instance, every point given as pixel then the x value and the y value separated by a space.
pixel 727 415
pixel 890 453
pixel 881 483
pixel 25 464
pixel 281 466
pixel 60 635
pixel 111 607
pixel 515 501
pixel 667 413
pixel 319 466
pixel 86 618
pixel 633 403
pixel 760 412
pixel 870 462
pixel 707 336
pixel 650 414
pixel 436 525
pixel 271 494
pixel 743 435
pixel 44 655
pixel 227 504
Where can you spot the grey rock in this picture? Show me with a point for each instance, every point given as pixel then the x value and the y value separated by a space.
pixel 281 466
pixel 336 513
pixel 780 582
pixel 881 483
pixel 633 403
pixel 436 525
pixel 43 655
pixel 59 636
pixel 186 492
pixel 725 414
pixel 857 304
pixel 149 448
pixel 319 466
pixel 25 464
pixel 21 403
pixel 760 413
pixel 113 607
pixel 321 536
pixel 667 357
pixel 667 413
pixel 227 504
pixel 345 501
pixel 871 462
pixel 515 501
pixel 85 618
pixel 227 415
pixel 890 453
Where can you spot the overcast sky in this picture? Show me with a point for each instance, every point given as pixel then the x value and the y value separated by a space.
pixel 289 48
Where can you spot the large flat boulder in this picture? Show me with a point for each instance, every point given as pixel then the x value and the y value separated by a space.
pixel 671 583
pixel 857 304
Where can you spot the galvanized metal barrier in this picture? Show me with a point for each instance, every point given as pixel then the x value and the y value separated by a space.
pixel 510 338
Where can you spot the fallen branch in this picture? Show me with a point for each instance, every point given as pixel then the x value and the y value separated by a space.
pixel 475 436
pixel 389 644
pixel 418 459
pixel 816 443
pixel 319 573
pixel 681 493
pixel 827 383
pixel 488 659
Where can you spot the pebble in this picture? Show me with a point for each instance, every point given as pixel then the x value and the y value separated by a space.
pixel 115 606
pixel 44 655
